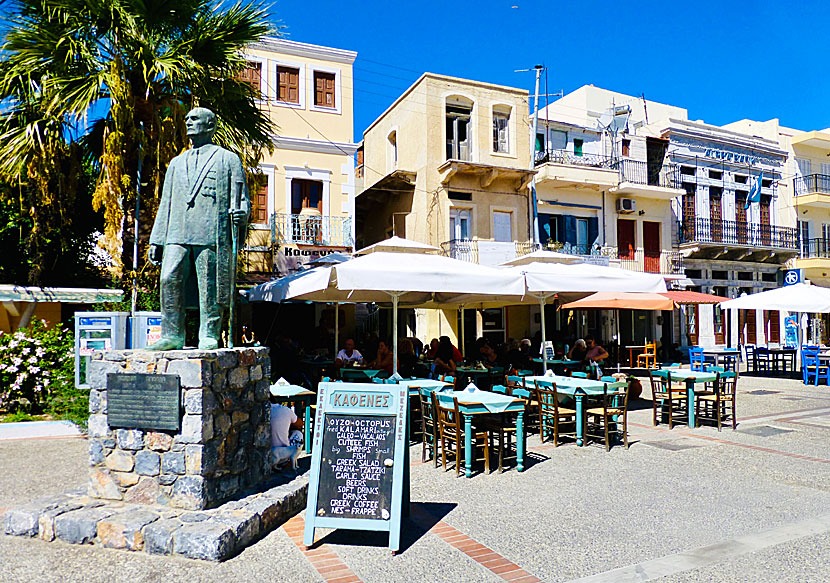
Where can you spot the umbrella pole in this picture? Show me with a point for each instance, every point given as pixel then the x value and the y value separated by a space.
pixel 461 331
pixel 544 340
pixel 336 327
pixel 619 343
pixel 395 297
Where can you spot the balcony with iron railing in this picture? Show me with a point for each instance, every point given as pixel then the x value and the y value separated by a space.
pixel 484 252
pixel 645 261
pixel 302 229
pixel 637 172
pixel 815 248
pixel 563 168
pixel 812 184
pixel 719 233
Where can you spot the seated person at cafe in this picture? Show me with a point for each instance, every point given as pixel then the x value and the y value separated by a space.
pixel 432 349
pixel 456 354
pixel 490 358
pixel 406 358
pixel 286 435
pixel 578 351
pixel 444 361
pixel 516 358
pixel 596 353
pixel 384 358
pixel 348 355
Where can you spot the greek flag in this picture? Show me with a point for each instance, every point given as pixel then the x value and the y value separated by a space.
pixel 755 192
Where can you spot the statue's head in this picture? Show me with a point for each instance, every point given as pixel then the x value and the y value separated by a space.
pixel 201 124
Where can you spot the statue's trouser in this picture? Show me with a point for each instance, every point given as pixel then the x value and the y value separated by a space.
pixel 176 264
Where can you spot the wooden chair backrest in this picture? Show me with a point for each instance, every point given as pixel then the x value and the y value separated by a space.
pixel 501 389
pixel 579 375
pixel 547 397
pixel 427 406
pixel 448 418
pixel 660 385
pixel 696 358
pixel 651 349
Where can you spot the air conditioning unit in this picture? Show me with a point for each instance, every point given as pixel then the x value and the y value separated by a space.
pixel 626 206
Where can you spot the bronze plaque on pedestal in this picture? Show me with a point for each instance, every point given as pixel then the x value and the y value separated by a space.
pixel 144 401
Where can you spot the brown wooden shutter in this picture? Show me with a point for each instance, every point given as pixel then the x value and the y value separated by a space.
pixel 324 89
pixel 259 208
pixel 773 321
pixel 282 84
pixel 288 85
pixel 319 86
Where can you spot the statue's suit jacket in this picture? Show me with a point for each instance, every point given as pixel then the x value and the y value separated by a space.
pixel 195 199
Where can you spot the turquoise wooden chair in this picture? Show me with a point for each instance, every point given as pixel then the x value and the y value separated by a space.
pixel 579 375
pixel 696 360
pixel 501 389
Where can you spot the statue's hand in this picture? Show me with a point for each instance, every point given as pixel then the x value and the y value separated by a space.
pixel 238 217
pixel 155 253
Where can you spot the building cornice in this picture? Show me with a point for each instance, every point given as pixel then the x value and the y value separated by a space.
pixel 730 137
pixel 290 47
pixel 316 146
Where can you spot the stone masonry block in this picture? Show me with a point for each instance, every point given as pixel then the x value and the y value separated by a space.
pixel 173 463
pixel 124 530
pixel 80 526
pixel 204 540
pixel 246 526
pixel 227 358
pixel 97 425
pixel 158 536
pixel 247 357
pixel 103 485
pixel 256 372
pixel 238 377
pixel 196 429
pixel 120 460
pixel 159 441
pixel 189 492
pixel 132 439
pixel 147 463
pixel 97 371
pixel 96 452
pixel 198 401
pixel 193 373
pixel 145 492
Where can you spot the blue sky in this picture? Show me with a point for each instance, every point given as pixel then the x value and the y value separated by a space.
pixel 722 60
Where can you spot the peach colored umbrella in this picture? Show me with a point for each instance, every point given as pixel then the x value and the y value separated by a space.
pixel 622 301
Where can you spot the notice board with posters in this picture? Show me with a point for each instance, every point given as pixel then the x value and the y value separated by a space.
pixel 359 466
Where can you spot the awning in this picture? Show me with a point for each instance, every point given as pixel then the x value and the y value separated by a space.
pixel 622 301
pixel 683 297
pixel 70 295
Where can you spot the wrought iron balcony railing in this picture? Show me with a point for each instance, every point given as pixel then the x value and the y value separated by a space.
pixel 492 253
pixel 640 260
pixel 812 183
pixel 638 172
pixel 571 159
pixel 815 248
pixel 311 230
pixel 702 230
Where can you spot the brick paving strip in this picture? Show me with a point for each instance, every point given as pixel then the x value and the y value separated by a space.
pixel 324 560
pixel 710 554
pixel 485 556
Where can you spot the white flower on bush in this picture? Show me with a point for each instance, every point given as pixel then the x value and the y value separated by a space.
pixel 26 350
pixel 40 352
pixel 32 360
pixel 11 369
pixel 34 369
pixel 17 361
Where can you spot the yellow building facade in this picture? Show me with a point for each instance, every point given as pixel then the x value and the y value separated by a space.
pixel 303 207
pixel 448 164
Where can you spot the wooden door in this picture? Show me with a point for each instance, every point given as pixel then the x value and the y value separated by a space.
pixel 689 213
pixel 651 246
pixel 719 324
pixel 766 229
pixel 691 324
pixel 740 216
pixel 772 322
pixel 715 215
pixel 746 325
pixel 625 238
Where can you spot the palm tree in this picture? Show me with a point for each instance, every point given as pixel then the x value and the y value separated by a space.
pixel 117 77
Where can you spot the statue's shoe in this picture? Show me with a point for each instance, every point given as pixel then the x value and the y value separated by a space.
pixel 166 344
pixel 208 344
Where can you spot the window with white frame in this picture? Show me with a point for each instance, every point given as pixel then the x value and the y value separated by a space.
pixel 288 84
pixel 502 226
pixel 501 129
pixel 460 224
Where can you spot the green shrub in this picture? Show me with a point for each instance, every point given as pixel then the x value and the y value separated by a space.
pixel 37 373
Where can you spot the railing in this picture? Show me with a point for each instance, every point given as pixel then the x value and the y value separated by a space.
pixel 640 260
pixel 571 159
pixel 815 248
pixel 491 253
pixel 587 253
pixel 312 230
pixel 812 183
pixel 702 230
pixel 638 172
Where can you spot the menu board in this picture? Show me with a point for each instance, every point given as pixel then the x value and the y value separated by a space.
pixel 356 469
pixel 359 466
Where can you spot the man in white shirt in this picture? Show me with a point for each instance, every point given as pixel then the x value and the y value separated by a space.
pixel 348 354
pixel 284 423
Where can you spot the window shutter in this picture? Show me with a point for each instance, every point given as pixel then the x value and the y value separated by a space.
pixel 282 84
pixel 259 212
pixel 293 84
pixel 319 88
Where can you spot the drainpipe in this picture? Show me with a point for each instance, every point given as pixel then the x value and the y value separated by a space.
pixel 534 230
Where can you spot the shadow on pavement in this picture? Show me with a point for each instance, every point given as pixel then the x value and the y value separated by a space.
pixel 423 516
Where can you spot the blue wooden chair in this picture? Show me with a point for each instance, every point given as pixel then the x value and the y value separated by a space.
pixel 696 360
pixel 579 375
pixel 501 389
pixel 815 368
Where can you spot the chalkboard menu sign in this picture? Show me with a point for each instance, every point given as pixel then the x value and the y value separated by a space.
pixel 358 468
pixel 144 401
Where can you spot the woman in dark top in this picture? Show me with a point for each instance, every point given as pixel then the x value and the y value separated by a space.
pixel 579 350
pixel 444 363
pixel 406 358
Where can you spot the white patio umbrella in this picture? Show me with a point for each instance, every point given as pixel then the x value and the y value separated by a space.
pixel 543 256
pixel 544 280
pixel 397 245
pixel 801 297
pixel 409 279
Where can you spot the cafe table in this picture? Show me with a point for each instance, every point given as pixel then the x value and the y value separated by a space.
pixel 297 394
pixel 691 378
pixel 358 374
pixel 481 403
pixel 729 355
pixel 563 363
pixel 631 349
pixel 414 384
pixel 579 389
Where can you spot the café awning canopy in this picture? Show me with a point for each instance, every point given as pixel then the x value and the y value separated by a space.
pixel 397 245
pixel 543 256
pixel 801 297
pixel 622 301
pixel 550 278
pixel 685 298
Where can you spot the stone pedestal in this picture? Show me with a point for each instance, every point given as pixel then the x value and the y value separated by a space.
pixel 224 442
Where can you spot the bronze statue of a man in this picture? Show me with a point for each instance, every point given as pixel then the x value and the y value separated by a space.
pixel 205 195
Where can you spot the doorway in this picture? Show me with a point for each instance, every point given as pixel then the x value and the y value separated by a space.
pixel 651 246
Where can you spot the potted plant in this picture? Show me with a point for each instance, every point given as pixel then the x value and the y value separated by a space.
pixel 635 387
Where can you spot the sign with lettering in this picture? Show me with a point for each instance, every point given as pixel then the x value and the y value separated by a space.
pixel 359 468
pixel 144 401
